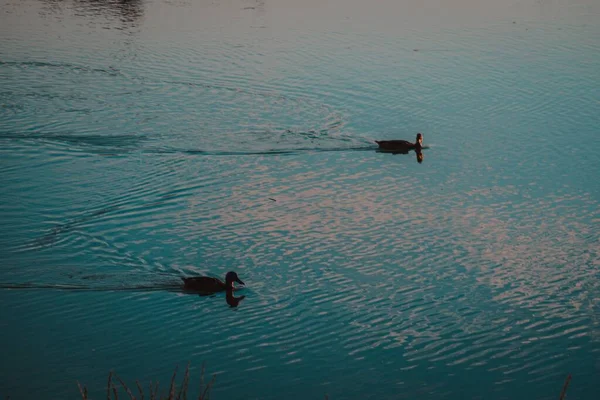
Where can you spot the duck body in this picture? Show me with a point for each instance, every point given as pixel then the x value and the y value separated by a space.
pixel 395 145
pixel 204 284
pixel 400 146
pixel 208 284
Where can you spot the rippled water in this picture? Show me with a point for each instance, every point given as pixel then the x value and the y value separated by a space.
pixel 142 141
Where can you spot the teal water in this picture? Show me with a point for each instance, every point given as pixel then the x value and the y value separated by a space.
pixel 142 141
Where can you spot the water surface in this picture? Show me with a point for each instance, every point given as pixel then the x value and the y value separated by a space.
pixel 142 141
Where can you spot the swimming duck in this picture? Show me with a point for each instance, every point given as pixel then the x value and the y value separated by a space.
pixel 401 146
pixel 207 284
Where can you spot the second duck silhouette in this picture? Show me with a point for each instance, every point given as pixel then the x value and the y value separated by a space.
pixel 210 285
pixel 401 146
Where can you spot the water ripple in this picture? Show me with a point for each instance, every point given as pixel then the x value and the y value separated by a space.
pixel 132 156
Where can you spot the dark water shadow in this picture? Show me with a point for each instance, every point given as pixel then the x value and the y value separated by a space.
pixel 128 13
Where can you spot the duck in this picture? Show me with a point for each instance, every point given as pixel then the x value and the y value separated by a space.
pixel 401 146
pixel 208 285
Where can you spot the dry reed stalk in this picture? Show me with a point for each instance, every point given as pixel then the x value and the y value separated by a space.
pixel 140 389
pixel 206 394
pixel 154 388
pixel 172 387
pixel 83 391
pixel 184 384
pixel 131 396
pixel 108 385
pixel 202 379
pixel 565 386
pixel 153 392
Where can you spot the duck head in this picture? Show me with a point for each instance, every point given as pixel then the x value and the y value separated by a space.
pixel 232 277
pixel 419 139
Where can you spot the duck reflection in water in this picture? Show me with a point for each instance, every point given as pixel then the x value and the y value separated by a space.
pixel 206 285
pixel 232 300
pixel 420 156
pixel 402 146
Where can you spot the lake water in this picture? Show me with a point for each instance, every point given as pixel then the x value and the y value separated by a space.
pixel 143 141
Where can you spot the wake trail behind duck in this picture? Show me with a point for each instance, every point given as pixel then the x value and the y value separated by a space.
pixel 366 147
pixel 170 287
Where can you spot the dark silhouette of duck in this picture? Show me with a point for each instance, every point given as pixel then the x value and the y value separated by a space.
pixel 209 285
pixel 401 146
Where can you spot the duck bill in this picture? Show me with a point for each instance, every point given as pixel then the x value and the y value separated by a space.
pixel 238 280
